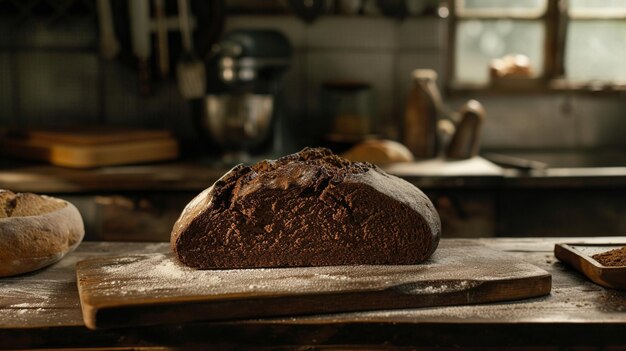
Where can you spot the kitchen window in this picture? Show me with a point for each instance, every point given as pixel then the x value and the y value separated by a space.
pixel 533 45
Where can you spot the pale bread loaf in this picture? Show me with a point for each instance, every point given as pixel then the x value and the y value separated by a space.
pixel 36 231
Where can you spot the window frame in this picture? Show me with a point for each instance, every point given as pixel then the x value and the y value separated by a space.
pixel 552 78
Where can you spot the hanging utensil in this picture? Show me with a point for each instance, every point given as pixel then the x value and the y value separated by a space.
pixel 162 42
pixel 109 45
pixel 140 35
pixel 190 70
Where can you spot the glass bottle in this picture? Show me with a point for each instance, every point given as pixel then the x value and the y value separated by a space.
pixel 423 107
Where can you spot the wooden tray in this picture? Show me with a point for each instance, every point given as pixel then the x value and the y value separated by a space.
pixel 154 289
pixel 93 135
pixel 88 148
pixel 579 257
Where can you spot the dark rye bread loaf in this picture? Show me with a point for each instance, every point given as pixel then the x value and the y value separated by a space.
pixel 311 208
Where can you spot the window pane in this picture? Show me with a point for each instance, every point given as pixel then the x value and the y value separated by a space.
pixel 597 8
pixel 480 41
pixel 501 8
pixel 596 50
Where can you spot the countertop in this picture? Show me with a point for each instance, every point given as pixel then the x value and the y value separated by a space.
pixel 196 175
pixel 576 313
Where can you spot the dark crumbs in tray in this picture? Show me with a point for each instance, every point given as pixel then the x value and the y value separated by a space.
pixel 612 258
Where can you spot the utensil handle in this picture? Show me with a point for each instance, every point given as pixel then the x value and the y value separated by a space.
pixel 139 11
pixel 185 30
pixel 164 62
pixel 109 45
pixel 140 27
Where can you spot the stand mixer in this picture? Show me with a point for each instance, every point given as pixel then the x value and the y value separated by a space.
pixel 241 111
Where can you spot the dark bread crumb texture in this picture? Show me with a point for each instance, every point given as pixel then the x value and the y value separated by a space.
pixel 311 208
pixel 612 258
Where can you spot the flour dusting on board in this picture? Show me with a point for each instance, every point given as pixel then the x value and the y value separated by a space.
pixel 161 275
pixel 156 266
pixel 158 275
pixel 140 273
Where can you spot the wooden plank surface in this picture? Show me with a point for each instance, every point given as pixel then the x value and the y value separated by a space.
pixel 154 289
pixel 175 176
pixel 42 310
pixel 48 297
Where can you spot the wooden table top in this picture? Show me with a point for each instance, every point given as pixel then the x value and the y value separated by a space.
pixel 197 174
pixel 41 310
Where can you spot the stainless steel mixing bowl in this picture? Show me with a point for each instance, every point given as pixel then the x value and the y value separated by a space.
pixel 238 122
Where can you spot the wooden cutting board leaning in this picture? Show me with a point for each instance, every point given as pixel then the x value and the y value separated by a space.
pixel 91 147
pixel 154 288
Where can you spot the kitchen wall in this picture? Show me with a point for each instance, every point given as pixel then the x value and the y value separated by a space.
pixel 52 74
pixel 560 121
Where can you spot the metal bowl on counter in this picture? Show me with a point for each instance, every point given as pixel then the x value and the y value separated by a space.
pixel 237 123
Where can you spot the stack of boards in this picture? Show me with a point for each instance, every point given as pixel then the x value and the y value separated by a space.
pixel 91 147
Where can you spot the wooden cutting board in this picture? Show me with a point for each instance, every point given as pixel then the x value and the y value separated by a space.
pixel 154 289
pixel 88 147
pixel 94 136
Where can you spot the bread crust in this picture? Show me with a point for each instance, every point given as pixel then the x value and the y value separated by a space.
pixel 306 209
pixel 30 242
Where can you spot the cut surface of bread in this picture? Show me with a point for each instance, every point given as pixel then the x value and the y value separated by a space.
pixel 311 208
